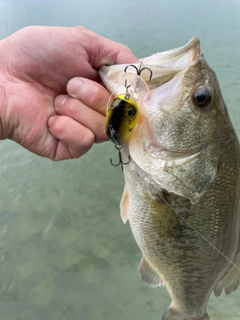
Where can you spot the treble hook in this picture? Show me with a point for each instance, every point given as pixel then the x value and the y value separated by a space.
pixel 140 70
pixel 119 147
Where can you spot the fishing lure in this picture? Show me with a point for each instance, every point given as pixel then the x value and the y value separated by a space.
pixel 123 113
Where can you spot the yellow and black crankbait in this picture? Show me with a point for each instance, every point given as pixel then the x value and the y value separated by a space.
pixel 121 118
pixel 123 113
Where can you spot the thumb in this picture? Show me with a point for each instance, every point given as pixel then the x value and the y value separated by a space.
pixel 108 52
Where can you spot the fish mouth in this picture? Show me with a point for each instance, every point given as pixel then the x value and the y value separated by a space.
pixel 164 66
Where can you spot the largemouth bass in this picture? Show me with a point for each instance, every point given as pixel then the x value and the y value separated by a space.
pixel 182 178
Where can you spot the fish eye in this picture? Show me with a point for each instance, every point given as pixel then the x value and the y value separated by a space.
pixel 131 112
pixel 202 96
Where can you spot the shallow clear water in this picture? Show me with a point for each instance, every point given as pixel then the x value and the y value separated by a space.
pixel 64 252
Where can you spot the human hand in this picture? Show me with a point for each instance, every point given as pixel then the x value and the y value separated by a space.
pixel 80 119
pixel 35 67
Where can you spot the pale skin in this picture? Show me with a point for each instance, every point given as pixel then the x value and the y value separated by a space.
pixel 51 99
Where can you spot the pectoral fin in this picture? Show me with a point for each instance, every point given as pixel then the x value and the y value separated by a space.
pixel 230 282
pixel 148 275
pixel 124 205
pixel 164 218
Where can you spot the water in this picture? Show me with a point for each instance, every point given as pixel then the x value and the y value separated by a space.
pixel 64 252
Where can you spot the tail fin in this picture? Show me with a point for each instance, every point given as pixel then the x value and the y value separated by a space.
pixel 172 314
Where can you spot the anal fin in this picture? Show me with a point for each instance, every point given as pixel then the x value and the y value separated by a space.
pixel 231 280
pixel 148 275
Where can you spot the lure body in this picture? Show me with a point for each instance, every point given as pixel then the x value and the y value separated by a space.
pixel 123 113
pixel 121 118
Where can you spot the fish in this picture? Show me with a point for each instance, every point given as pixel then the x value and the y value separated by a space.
pixel 182 180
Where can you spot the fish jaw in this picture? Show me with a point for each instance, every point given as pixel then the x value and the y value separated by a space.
pixel 163 66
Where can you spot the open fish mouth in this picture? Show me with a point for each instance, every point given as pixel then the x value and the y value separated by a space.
pixel 164 66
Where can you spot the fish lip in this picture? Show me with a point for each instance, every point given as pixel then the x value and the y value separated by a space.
pixel 193 43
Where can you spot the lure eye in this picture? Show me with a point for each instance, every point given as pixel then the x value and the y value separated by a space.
pixel 202 97
pixel 131 112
